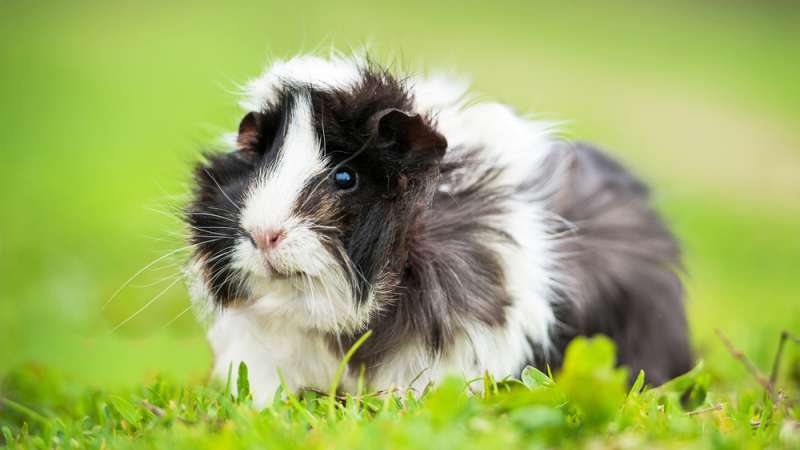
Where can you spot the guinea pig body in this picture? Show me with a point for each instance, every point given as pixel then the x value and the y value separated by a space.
pixel 465 237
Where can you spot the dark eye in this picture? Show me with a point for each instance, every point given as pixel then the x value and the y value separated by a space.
pixel 344 178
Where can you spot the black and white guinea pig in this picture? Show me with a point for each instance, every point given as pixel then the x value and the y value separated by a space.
pixel 466 237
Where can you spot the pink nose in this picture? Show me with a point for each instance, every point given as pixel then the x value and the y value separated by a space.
pixel 267 239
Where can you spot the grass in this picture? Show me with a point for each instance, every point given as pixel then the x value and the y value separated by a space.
pixel 105 105
pixel 587 405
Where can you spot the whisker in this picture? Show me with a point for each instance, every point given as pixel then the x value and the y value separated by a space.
pixel 175 319
pixel 220 255
pixel 217 269
pixel 143 269
pixel 215 228
pixel 241 284
pixel 146 305
pixel 222 190
pixel 211 230
pixel 197 213
pixel 174 215
pixel 224 211
pixel 213 235
pixel 159 281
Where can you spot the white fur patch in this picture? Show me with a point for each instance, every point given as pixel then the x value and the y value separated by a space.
pixel 320 301
pixel 437 92
pixel 337 71
pixel 272 198
pixel 266 345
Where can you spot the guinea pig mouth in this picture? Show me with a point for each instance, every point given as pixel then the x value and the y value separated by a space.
pixel 280 273
pixel 286 275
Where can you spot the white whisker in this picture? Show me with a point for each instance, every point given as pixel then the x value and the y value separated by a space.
pixel 222 190
pixel 211 215
pixel 159 281
pixel 146 305
pixel 143 269
pixel 175 319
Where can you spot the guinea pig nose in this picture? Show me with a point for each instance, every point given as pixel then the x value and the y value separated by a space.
pixel 267 239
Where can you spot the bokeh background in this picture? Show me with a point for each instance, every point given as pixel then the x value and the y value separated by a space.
pixel 104 106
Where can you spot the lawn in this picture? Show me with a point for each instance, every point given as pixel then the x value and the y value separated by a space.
pixel 104 105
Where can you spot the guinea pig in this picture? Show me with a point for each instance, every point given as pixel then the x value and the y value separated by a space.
pixel 468 238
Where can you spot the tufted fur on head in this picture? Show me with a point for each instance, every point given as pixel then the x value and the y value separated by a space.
pixel 355 199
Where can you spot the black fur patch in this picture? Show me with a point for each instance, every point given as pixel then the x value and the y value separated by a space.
pixel 213 218
pixel 451 274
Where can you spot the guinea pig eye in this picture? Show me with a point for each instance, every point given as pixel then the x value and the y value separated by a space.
pixel 345 178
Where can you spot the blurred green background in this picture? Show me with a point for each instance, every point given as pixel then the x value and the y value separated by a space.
pixel 104 106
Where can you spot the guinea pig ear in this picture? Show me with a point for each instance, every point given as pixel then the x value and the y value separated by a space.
pixel 408 132
pixel 248 132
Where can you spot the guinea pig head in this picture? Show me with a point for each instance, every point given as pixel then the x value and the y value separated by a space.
pixel 309 217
